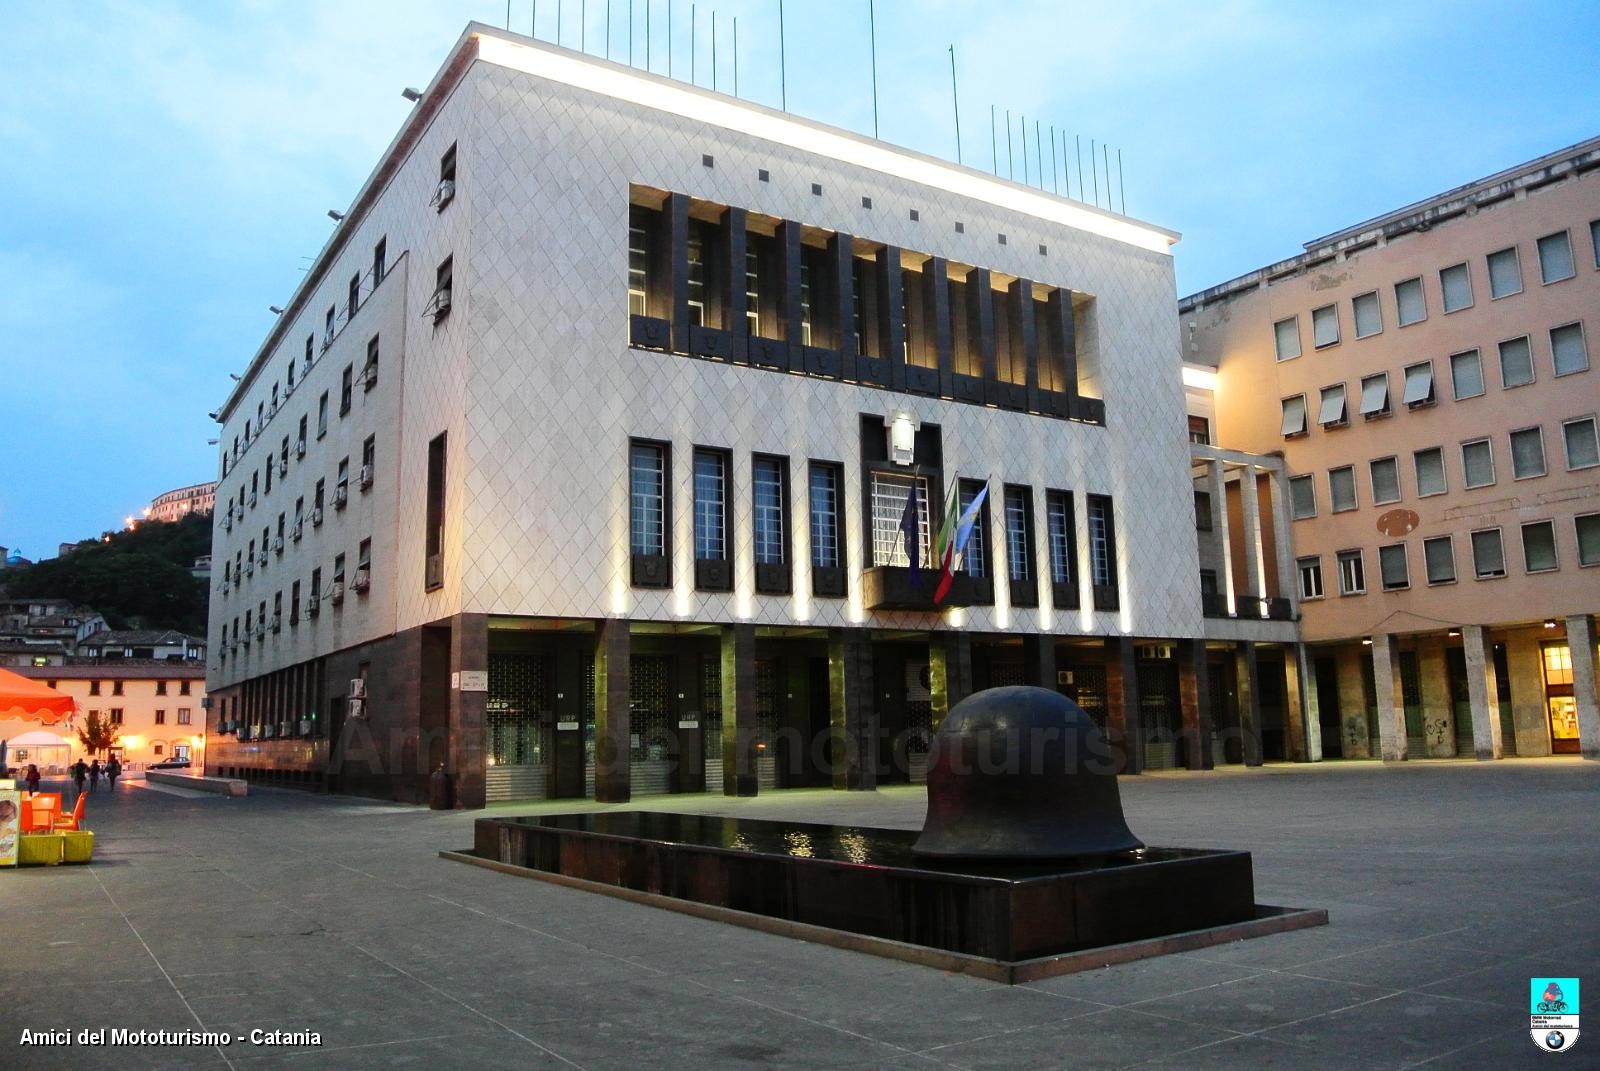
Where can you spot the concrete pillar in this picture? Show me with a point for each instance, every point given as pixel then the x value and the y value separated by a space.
pixel 739 710
pixel 1525 665
pixel 1194 693
pixel 469 654
pixel 1218 487
pixel 1250 511
pixel 1039 661
pixel 1289 580
pixel 1581 641
pixel 949 671
pixel 1355 738
pixel 1391 702
pixel 1246 685
pixel 612 740
pixel 1300 706
pixel 853 716
pixel 1483 692
pixel 1438 715
pixel 1125 732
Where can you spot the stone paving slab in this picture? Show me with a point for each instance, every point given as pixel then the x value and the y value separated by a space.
pixel 1448 884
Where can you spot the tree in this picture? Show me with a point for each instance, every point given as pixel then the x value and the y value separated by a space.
pixel 137 579
pixel 98 734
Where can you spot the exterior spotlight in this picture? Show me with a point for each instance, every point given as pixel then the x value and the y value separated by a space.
pixel 234 376
pixel 275 310
pixel 335 215
pixel 413 95
pixel 1367 642
pixel 213 415
pixel 1549 623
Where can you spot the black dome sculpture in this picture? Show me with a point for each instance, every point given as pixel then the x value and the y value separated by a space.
pixel 1018 774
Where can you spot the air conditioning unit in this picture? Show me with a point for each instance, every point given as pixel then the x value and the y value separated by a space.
pixel 336 593
pixel 300 448
pixel 264 557
pixel 272 409
pixel 341 495
pixel 305 726
pixel 249 567
pixel 226 586
pixel 252 503
pixel 357 708
pixel 443 194
pixel 358 688
pixel 288 390
pixel 297 530
pixel 227 521
pixel 362 580
pixel 327 338
pixel 277 544
pixel 268 731
pixel 316 516
pixel 369 376
pixel 1155 651
pixel 277 622
pixel 366 476
pixel 246 639
pixel 261 629
pixel 313 607
pixel 283 467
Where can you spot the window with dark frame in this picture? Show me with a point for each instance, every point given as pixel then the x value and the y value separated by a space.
pixel 1019 545
pixel 1061 532
pixel 1103 552
pixel 433 557
pixel 713 569
pixel 975 556
pixel 769 478
pixel 647 513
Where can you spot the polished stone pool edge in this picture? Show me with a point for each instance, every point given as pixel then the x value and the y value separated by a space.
pixel 1269 920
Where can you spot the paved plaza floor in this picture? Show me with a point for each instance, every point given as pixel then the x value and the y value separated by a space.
pixel 1450 885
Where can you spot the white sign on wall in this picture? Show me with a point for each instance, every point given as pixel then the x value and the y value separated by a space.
pixel 471 680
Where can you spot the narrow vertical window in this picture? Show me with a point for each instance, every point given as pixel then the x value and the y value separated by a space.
pixel 1410 306
pixel 827 549
pixel 711 521
pixel 647 513
pixel 889 495
pixel 638 260
pixel 974 559
pixel 769 490
pixel 824 504
pixel 1019 545
pixel 380 260
pixel 1060 529
pixel 1103 552
pixel 433 567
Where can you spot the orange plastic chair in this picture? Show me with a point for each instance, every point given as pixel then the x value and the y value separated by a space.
pixel 46 808
pixel 26 823
pixel 73 821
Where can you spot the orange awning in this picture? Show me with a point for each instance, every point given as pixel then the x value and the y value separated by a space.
pixel 32 700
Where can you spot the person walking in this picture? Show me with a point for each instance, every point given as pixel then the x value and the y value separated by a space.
pixel 94 775
pixel 113 771
pixel 32 777
pixel 80 770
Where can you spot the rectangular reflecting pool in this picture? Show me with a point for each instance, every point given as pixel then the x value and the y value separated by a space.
pixel 868 882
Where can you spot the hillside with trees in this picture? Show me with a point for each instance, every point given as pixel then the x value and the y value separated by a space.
pixel 138 578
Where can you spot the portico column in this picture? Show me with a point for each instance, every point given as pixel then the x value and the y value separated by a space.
pixel 1581 644
pixel 1391 701
pixel 949 671
pixel 1194 693
pixel 739 710
pixel 612 765
pixel 1122 704
pixel 1217 486
pixel 469 666
pixel 1301 712
pixel 1039 661
pixel 1246 685
pixel 1254 559
pixel 1484 693
pixel 853 717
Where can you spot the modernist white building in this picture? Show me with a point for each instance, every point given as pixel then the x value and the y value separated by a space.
pixel 577 463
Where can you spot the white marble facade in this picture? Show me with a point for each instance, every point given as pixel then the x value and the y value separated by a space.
pixel 532 376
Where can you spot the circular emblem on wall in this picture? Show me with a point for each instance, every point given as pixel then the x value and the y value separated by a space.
pixel 1398 522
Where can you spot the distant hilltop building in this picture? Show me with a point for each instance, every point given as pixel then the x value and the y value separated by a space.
pixel 178 504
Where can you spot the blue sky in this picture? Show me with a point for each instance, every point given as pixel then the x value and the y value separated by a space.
pixel 167 167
